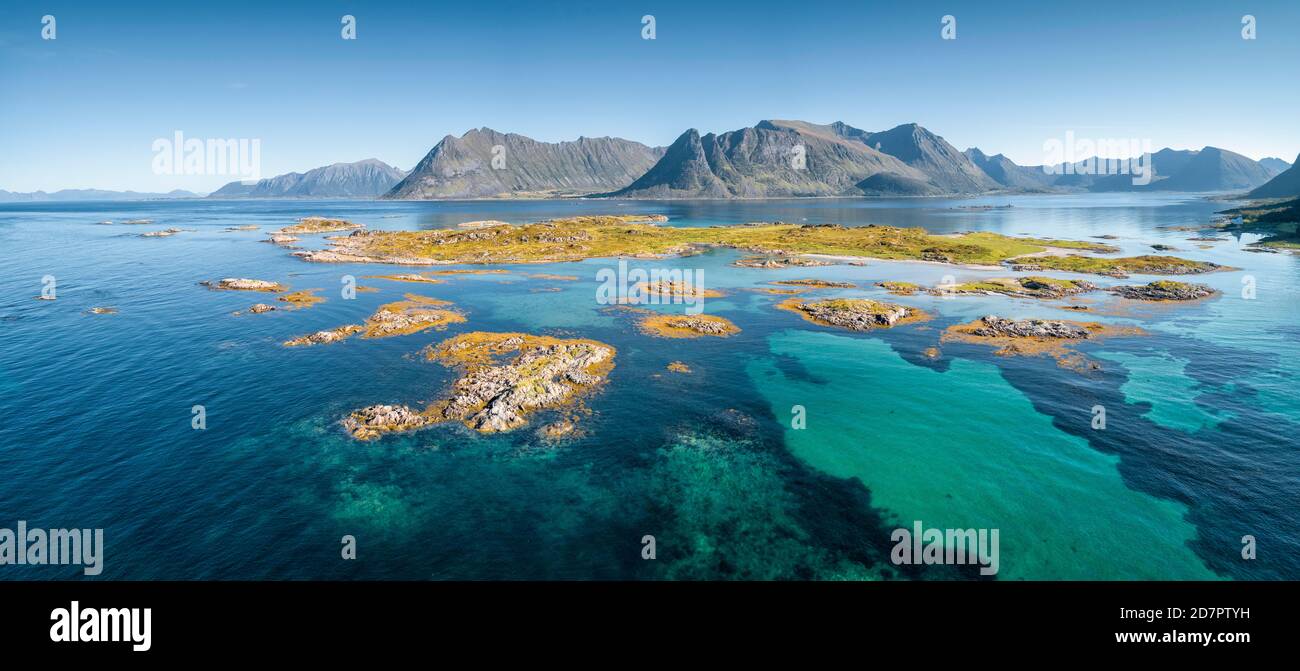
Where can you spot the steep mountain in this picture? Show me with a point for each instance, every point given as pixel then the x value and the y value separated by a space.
pixel 1006 172
pixel 1276 166
pixel 948 169
pixel 1214 169
pixel 90 194
pixel 363 179
pixel 777 159
pixel 1283 185
pixel 463 167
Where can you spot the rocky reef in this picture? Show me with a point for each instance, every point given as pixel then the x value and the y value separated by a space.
pixel 856 314
pixel 1164 290
pixel 245 284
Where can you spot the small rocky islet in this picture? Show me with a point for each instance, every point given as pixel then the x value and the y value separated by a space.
pixel 1031 337
pixel 687 326
pixel 506 378
pixel 1164 290
pixel 855 314
pixel 414 314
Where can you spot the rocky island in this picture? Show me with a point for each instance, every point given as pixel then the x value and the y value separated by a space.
pixel 1032 286
pixel 506 378
pixel 1164 290
pixel 1028 337
pixel 688 326
pixel 855 314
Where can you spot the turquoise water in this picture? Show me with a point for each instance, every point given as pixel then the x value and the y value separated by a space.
pixel 1200 446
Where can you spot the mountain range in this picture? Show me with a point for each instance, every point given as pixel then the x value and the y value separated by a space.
pixel 772 159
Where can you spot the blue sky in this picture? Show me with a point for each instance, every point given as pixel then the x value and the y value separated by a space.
pixel 83 110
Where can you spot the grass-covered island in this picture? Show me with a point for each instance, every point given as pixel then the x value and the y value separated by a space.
pixel 578 238
pixel 1031 286
pixel 856 314
pixel 1164 290
pixel 506 378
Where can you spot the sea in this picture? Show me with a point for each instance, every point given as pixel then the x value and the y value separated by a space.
pixel 791 451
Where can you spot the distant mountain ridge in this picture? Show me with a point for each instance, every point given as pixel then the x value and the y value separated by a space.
pixel 1207 169
pixel 484 163
pixel 90 194
pixel 369 178
pixel 772 159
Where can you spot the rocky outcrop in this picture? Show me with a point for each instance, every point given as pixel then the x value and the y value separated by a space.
pixel 776 262
pixel 244 284
pixel 373 421
pixel 856 314
pixel 1164 291
pixel 688 326
pixel 496 395
pixel 993 326
pixel 1021 287
pixel 324 337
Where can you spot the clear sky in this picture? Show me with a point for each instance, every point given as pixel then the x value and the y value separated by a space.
pixel 83 110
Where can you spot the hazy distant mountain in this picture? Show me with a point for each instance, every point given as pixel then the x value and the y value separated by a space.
pixel 1276 166
pixel 463 167
pixel 1209 169
pixel 776 159
pixel 91 194
pixel 1214 169
pixel 1285 184
pixel 363 179
pixel 1004 171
